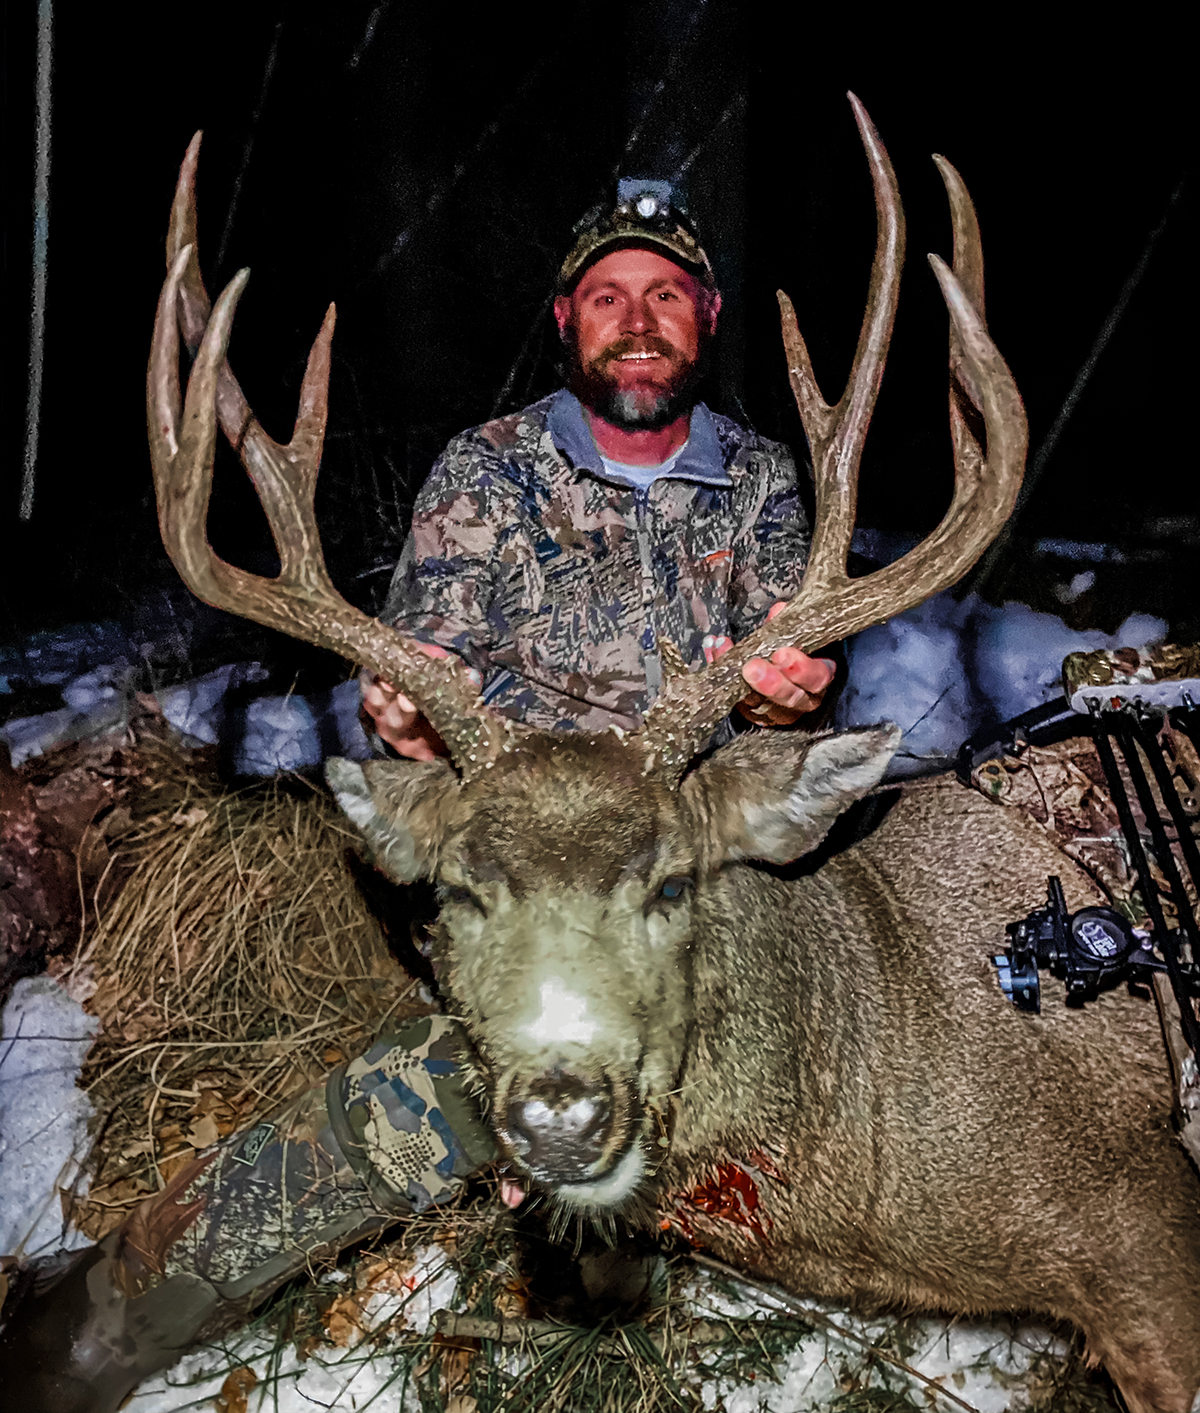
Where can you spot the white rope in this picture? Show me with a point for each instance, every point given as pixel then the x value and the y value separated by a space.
pixel 41 230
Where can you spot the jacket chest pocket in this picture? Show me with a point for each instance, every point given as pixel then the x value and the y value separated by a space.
pixel 708 533
pixel 588 599
pixel 705 569
pixel 598 589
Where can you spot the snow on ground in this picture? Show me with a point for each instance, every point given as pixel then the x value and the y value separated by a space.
pixel 350 1378
pixel 95 668
pixel 941 671
pixel 271 733
pixel 945 669
pixel 987 1367
pixel 43 1116
pixel 43 1121
pixel 984 1365
pixel 268 734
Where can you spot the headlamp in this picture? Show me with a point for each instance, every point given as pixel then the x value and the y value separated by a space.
pixel 648 214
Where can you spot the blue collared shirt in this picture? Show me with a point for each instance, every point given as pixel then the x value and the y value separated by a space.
pixel 701 459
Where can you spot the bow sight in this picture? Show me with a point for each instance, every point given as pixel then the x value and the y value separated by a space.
pixel 1090 950
pixel 1126 699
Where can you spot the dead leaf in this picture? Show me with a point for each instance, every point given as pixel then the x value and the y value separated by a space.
pixel 118 821
pixel 235 1390
pixel 189 818
pixel 122 1193
pixel 510 1302
pixel 105 1001
pixel 213 1104
pixel 229 1120
pixel 203 1132
pixel 305 1346
pixel 462 1403
pixel 281 988
pixel 454 1369
pixel 211 1079
pixel 387 1274
pixel 169 1166
pixel 142 1024
pixel 343 1319
pixel 107 1206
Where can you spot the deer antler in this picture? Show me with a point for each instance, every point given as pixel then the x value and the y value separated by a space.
pixel 194 305
pixel 831 605
pixel 302 601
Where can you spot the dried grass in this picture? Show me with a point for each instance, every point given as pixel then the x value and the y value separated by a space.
pixel 237 965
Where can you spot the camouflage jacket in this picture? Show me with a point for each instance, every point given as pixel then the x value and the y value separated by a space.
pixel 559 582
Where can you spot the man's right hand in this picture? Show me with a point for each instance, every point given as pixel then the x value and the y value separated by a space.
pixel 397 720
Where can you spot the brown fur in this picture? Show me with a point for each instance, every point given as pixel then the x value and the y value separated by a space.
pixel 937 1148
pixel 943 1151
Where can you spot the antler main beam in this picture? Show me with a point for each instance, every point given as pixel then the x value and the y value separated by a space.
pixel 302 601
pixel 830 605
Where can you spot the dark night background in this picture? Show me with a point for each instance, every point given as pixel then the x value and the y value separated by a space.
pixel 423 166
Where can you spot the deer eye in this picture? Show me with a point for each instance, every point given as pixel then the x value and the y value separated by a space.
pixel 673 888
pixel 449 896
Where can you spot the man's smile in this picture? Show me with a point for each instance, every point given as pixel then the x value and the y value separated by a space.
pixel 658 359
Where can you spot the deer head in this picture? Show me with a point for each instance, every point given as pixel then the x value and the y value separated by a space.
pixel 572 869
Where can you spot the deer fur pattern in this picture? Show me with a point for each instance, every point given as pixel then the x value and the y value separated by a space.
pixel 934 1148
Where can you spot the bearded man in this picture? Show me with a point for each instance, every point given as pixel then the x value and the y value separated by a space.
pixel 556 549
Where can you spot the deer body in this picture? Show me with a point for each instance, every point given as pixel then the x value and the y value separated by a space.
pixel 929 1146
pixel 941 1150
pixel 646 1003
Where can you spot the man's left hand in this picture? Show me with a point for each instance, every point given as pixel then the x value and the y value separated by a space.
pixel 789 686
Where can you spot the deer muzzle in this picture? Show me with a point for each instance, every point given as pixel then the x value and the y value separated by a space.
pixel 566 1129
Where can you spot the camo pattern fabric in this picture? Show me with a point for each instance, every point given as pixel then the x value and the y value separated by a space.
pixel 282 1190
pixel 1063 789
pixel 414 1126
pixel 1129 666
pixel 390 1133
pixel 559 584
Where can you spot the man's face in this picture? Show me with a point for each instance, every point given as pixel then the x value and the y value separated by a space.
pixel 636 324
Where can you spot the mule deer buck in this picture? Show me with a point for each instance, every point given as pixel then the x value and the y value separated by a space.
pixel 651 994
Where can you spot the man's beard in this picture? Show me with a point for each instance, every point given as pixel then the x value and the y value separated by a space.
pixel 640 409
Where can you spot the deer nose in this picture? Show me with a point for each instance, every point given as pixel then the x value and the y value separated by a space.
pixel 559 1129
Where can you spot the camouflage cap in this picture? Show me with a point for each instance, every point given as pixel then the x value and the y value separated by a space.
pixel 647 215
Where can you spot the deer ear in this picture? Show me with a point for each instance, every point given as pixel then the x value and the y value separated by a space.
pixel 398 807
pixel 775 799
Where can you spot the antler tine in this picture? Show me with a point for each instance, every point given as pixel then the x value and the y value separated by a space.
pixel 302 601
pixel 968 246
pixel 968 268
pixel 163 401
pixel 830 605
pixel 836 434
pixel 194 305
pixel 985 488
